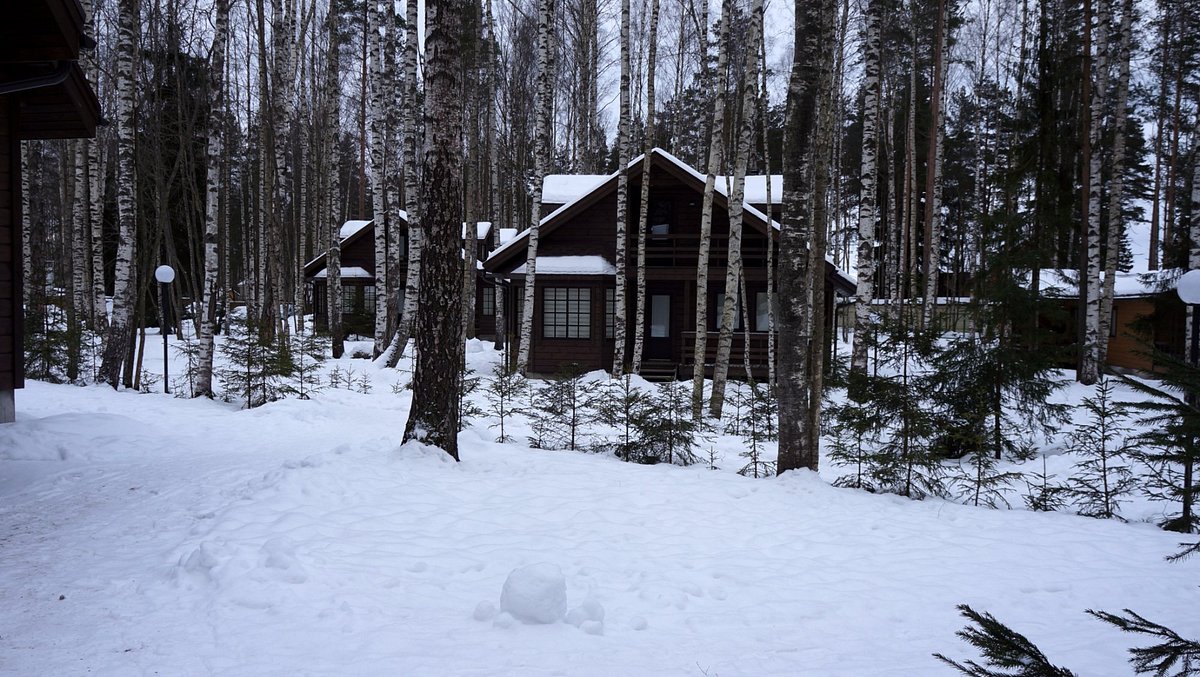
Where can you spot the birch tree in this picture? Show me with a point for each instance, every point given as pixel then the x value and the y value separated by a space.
pixel 493 67
pixel 376 110
pixel 933 174
pixel 333 257
pixel 541 160
pixel 623 143
pixel 868 174
pixel 433 418
pixel 216 92
pixel 733 269
pixel 639 327
pixel 412 204
pixel 716 148
pixel 1089 358
pixel 1116 189
pixel 813 22
pixel 116 347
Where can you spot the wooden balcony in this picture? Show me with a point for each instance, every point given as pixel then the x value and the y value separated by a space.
pixel 683 249
pixel 758 352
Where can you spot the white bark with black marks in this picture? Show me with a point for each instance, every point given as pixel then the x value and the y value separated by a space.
pixel 639 327
pixel 868 173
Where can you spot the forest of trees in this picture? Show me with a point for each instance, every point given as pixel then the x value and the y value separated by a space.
pixel 931 147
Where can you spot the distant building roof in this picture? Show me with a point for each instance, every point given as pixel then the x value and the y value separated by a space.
pixel 1064 283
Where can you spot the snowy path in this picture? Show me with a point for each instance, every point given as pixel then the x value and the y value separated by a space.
pixel 187 538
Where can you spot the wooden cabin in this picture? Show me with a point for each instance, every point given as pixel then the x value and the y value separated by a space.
pixel 574 313
pixel 359 283
pixel 1148 317
pixel 43 95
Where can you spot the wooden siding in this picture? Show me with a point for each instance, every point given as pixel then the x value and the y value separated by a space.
pixel 11 362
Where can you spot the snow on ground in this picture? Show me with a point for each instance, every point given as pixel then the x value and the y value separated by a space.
pixel 143 534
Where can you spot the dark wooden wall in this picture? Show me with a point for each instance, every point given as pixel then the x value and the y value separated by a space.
pixel 11 368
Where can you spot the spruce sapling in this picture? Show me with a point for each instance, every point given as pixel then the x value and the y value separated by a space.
pixel 630 411
pixel 759 412
pixel 504 392
pixel 1102 478
pixel 1008 651
pixel 1172 653
pixel 308 350
pixel 673 432
pixel 1043 494
pixel 468 410
pixel 562 409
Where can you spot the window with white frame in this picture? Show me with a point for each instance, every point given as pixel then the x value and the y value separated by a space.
pixel 566 312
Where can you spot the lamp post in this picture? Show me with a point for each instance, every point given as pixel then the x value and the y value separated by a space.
pixel 165 275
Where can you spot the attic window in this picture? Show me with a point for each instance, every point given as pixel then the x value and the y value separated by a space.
pixel 658 220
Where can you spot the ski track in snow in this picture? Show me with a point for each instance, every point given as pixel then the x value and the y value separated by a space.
pixel 189 538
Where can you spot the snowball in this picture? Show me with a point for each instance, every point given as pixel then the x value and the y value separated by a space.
pixel 536 593
pixel 504 621
pixel 637 623
pixel 485 611
pixel 592 627
pixel 590 610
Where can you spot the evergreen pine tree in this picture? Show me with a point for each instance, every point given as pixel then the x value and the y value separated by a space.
pixel 630 411
pixel 759 412
pixel 1042 492
pixel 561 410
pixel 674 434
pixel 1010 652
pixel 468 409
pixel 258 366
pixel 504 391
pixel 1102 478
pixel 1174 656
pixel 308 354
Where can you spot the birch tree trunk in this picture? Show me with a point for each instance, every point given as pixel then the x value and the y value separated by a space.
pixel 27 230
pixel 1089 359
pixel 868 174
pixel 493 67
pixel 412 205
pixel 376 104
pixel 1116 189
pixel 96 191
pixel 639 327
pixel 333 259
pixel 716 148
pixel 933 175
pixel 764 101
pixel 116 348
pixel 795 308
pixel 623 143
pixel 541 158
pixel 216 92
pixel 433 418
pixel 733 270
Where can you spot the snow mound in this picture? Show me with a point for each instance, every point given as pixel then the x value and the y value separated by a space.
pixel 484 611
pixel 536 593
pixel 590 610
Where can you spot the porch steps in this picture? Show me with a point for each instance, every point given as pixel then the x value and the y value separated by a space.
pixel 659 371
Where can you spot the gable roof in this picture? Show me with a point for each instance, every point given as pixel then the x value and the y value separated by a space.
pixel 350 232
pixel 563 188
pixel 681 170
pixel 1064 283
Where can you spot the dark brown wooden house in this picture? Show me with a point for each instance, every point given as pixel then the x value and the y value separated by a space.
pixel 43 95
pixel 359 284
pixel 573 317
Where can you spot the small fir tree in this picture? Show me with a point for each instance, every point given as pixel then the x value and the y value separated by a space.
pixel 1102 478
pixel 504 392
pixel 674 434
pixel 759 412
pixel 1170 447
pixel 853 432
pixel 562 409
pixel 309 353
pixel 468 409
pixel 630 411
pixel 1042 492
pixel 1173 655
pixel 258 367
pixel 1006 653
pixel 189 350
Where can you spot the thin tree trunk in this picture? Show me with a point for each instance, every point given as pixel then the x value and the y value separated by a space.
pixel 1116 190
pixel 623 143
pixel 117 346
pixel 764 100
pixel 716 149
pixel 375 105
pixel 333 259
pixel 412 206
pixel 216 91
pixel 1089 363
pixel 868 173
pixel 433 418
pixel 733 270
pixel 933 176
pixel 541 161
pixel 639 327
pixel 493 67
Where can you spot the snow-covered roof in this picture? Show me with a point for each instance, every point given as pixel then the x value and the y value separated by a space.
pixel 507 235
pixel 1064 283
pixel 571 265
pixel 755 189
pixel 351 227
pixel 564 188
pixel 347 271
pixel 483 230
